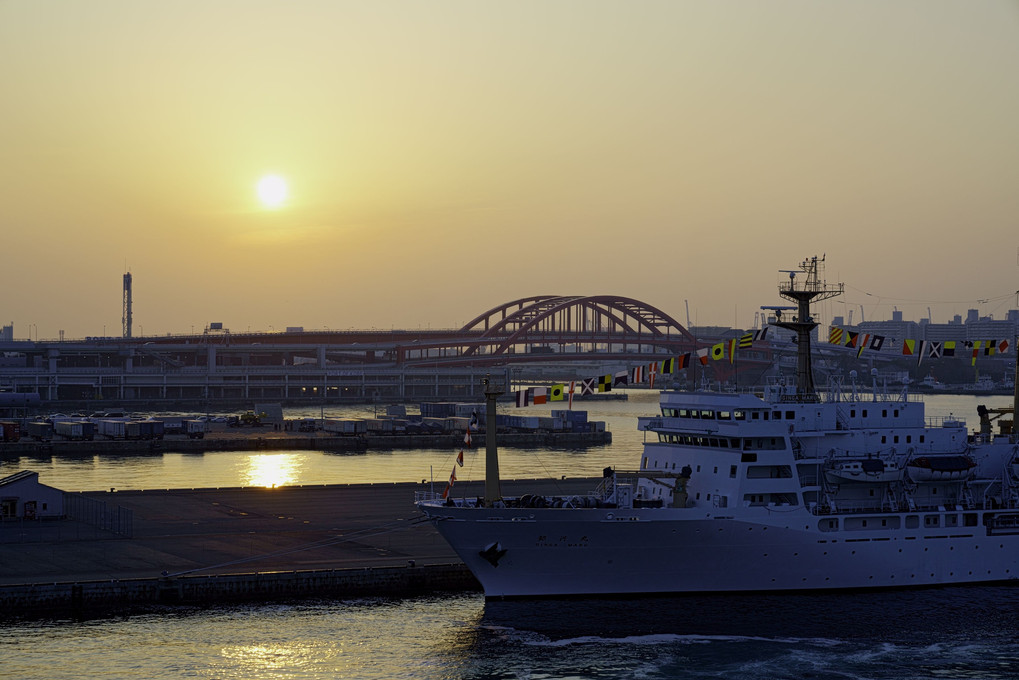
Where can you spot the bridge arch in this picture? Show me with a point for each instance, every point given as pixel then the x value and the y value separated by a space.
pixel 556 319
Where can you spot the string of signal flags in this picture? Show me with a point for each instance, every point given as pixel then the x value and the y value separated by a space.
pixel 636 376
pixel 921 349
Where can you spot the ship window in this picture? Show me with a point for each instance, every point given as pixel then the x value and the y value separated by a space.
pixel 884 413
pixel 748 458
pixel 864 413
pixel 739 415
pixel 707 415
pixel 896 439
pixel 790 415
pixel 895 413
pixel 912 521
pixel 754 415
pixel 852 413
pixel 734 443
pixel 645 463
pixel 684 413
pixel 765 414
pixel 777 415
pixel 723 443
pixel 724 415
pixel 695 414
pixel 930 520
pixel 698 495
pixel 732 471
pixel 921 439
pixel 909 438
pixel 884 439
pixel 698 468
pixel 707 497
pixel 713 442
pixel 969 519
pixel 715 471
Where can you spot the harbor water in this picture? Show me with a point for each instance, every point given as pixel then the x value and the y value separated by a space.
pixel 963 632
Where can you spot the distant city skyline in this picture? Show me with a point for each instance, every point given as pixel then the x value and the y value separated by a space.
pixel 358 165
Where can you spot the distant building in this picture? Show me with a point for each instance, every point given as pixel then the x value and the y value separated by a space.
pixel 23 497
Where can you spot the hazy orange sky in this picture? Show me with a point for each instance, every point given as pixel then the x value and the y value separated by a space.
pixel 444 157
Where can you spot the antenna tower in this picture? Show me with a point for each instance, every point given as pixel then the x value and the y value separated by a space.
pixel 803 291
pixel 126 318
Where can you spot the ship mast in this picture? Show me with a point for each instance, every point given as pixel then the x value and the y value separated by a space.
pixel 493 493
pixel 803 291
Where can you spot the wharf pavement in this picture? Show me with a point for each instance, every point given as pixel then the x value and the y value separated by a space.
pixel 244 532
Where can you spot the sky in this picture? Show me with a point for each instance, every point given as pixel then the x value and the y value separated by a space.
pixel 444 157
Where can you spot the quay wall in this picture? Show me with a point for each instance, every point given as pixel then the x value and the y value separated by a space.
pixel 255 441
pixel 97 598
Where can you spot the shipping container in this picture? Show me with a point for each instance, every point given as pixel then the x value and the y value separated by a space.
pixel 10 431
pixel 379 426
pixel 74 429
pixel 344 426
pixel 40 431
pixel 398 410
pixel 111 428
pixel 195 429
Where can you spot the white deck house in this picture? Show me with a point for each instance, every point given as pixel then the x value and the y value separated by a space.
pixel 23 497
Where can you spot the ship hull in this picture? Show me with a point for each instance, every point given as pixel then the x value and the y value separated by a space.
pixel 562 552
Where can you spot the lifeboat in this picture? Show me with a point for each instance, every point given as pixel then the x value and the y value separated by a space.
pixel 865 470
pixel 941 468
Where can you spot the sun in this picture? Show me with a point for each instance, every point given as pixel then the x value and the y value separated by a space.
pixel 272 191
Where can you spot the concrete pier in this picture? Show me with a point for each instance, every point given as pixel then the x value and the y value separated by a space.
pixel 222 438
pixel 202 546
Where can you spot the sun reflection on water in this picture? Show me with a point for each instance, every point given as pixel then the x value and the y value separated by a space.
pixel 273 469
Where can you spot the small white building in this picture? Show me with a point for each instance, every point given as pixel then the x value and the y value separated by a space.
pixel 23 497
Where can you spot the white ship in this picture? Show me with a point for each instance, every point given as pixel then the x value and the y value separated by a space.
pixel 785 489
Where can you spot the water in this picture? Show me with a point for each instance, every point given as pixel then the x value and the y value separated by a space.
pixel 942 633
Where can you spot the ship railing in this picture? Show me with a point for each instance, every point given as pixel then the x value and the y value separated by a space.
pixel 945 421
pixel 454 501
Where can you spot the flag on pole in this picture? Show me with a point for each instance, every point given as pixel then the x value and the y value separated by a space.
pixel 540 395
pixel 669 366
pixel 702 355
pixel 467 438
pixel 605 383
pixel 637 375
pixel 588 386
pixel 522 398
pixel 473 424
pixel 556 393
pixel 460 458
pixel 573 385
pixel 621 378
pixel 652 369
pixel 683 360
pixel 445 492
pixel 732 350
